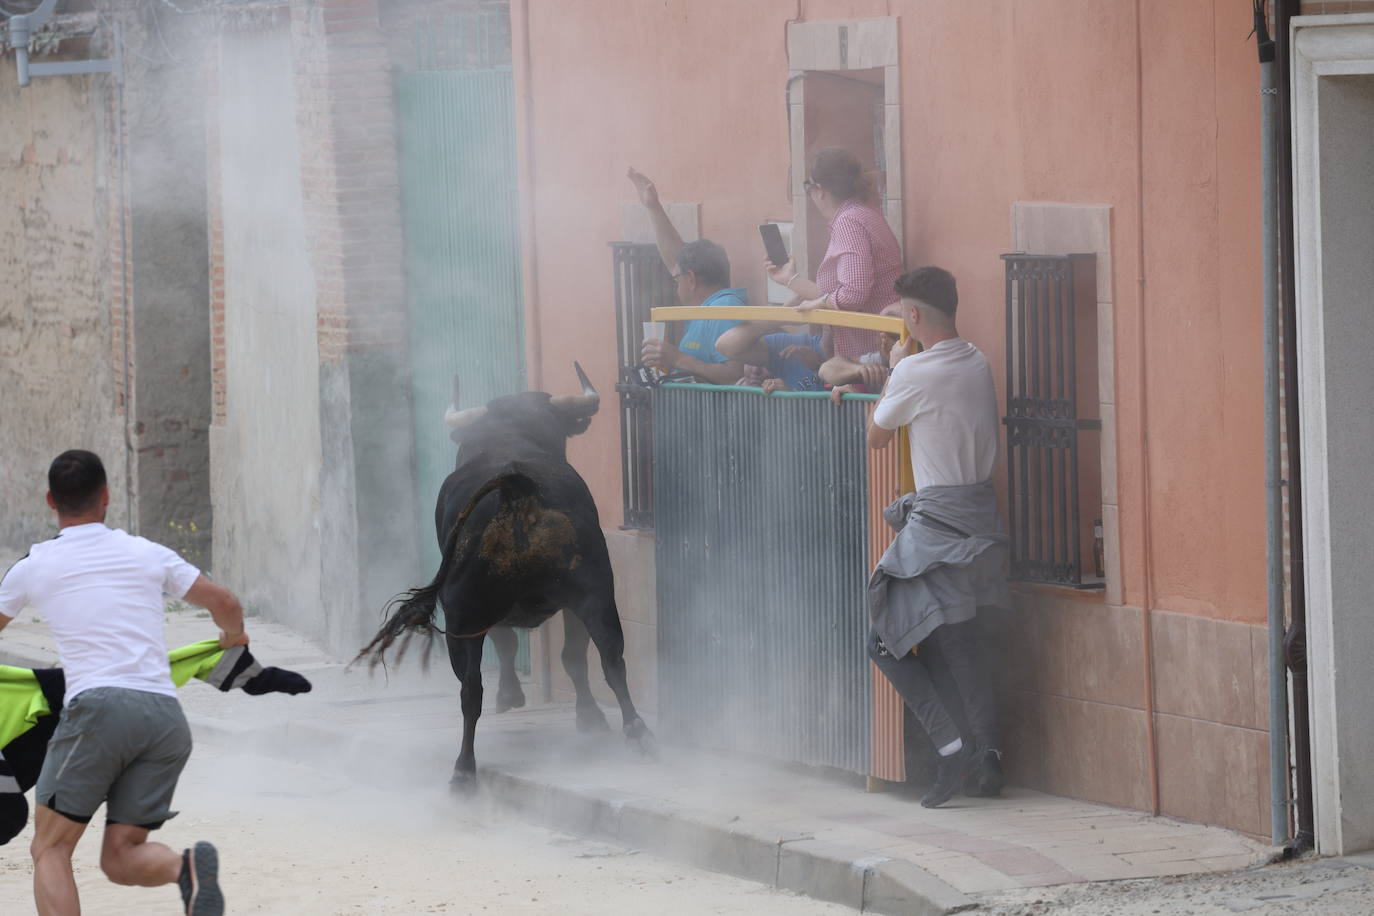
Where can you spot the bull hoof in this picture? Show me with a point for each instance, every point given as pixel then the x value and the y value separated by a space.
pixel 591 719
pixel 638 733
pixel 512 700
pixel 463 783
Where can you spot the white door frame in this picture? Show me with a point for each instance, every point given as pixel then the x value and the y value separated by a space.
pixel 1339 549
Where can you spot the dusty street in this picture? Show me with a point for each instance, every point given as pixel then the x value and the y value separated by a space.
pixel 294 840
pixel 1312 887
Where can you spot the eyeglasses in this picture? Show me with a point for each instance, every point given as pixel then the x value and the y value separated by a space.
pixel 810 184
pixel 679 275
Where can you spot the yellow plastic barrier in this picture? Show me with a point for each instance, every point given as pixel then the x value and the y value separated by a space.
pixel 779 314
pixel 833 317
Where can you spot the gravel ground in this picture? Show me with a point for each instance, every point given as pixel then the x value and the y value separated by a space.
pixel 1310 886
pixel 294 840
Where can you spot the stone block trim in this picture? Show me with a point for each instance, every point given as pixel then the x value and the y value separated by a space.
pixel 214 209
pixel 121 333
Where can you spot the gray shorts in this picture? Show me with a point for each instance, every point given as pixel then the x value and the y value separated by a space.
pixel 125 747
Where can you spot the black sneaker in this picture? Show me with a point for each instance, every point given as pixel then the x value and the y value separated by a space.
pixel 985 779
pixel 199 881
pixel 948 778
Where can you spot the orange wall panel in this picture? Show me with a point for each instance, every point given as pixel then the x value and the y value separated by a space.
pixel 1001 102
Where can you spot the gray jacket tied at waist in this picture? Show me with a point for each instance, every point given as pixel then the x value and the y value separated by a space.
pixel 949 559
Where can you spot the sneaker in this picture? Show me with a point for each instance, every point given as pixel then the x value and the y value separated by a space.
pixel 948 778
pixel 199 881
pixel 985 779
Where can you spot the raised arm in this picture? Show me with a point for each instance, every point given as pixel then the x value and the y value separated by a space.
pixel 900 402
pixel 665 233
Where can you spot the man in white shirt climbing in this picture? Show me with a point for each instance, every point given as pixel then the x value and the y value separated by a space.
pixel 949 557
pixel 123 739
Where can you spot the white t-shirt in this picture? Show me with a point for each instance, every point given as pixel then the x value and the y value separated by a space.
pixel 946 399
pixel 100 590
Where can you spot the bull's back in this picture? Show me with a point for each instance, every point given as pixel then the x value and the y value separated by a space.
pixel 541 536
pixel 526 539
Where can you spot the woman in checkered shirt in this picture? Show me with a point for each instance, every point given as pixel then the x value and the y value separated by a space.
pixel 863 259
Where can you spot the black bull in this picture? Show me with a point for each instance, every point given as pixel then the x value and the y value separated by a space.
pixel 521 540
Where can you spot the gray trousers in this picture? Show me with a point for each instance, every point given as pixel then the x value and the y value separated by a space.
pixel 944 684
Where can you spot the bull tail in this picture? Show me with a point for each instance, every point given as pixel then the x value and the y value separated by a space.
pixel 411 613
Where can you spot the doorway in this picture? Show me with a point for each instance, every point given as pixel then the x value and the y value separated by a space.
pixel 1333 119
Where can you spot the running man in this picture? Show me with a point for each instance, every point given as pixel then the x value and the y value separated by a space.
pixel 123 739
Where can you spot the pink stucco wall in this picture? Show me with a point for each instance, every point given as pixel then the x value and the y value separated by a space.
pixel 1001 102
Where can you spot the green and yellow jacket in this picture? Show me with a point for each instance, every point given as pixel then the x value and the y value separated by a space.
pixel 31 707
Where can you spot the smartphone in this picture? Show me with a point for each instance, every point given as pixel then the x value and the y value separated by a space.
pixel 772 243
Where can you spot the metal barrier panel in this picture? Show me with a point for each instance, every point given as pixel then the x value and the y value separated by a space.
pixel 887 747
pixel 762 507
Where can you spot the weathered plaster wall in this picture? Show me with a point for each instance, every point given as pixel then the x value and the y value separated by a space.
pixel 57 356
pixel 266 455
pixel 165 114
pixel 103 224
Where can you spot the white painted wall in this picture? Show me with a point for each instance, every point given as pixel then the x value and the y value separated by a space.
pixel 265 459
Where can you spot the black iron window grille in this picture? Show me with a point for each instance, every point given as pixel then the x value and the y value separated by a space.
pixel 1053 439
pixel 642 283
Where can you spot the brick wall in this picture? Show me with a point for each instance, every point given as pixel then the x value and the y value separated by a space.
pixel 121 337
pixel 58 270
pixel 349 175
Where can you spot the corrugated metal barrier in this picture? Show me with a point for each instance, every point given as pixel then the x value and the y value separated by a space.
pixel 889 757
pixel 764 507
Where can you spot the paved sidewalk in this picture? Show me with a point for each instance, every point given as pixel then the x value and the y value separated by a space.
pixel 781 825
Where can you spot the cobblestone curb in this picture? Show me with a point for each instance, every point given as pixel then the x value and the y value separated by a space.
pixel 825 871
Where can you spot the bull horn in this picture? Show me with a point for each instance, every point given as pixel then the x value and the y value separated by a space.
pixel 579 405
pixel 456 419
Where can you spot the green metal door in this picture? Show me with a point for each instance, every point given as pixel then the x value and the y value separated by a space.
pixel 459 205
pixel 459 202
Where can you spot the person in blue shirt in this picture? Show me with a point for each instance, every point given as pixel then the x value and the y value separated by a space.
pixel 701 273
pixel 792 361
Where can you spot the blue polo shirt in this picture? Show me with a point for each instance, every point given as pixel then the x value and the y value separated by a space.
pixel 700 339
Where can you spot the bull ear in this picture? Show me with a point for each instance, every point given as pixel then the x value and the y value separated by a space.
pixel 581 405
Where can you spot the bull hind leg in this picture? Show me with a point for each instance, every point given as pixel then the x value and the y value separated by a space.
pixel 508 692
pixel 465 654
pixel 575 640
pixel 602 621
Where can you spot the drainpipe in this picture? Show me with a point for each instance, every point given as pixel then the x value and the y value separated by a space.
pixel 524 153
pixel 1296 641
pixel 1273 542
pixel 1143 410
pixel 529 260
